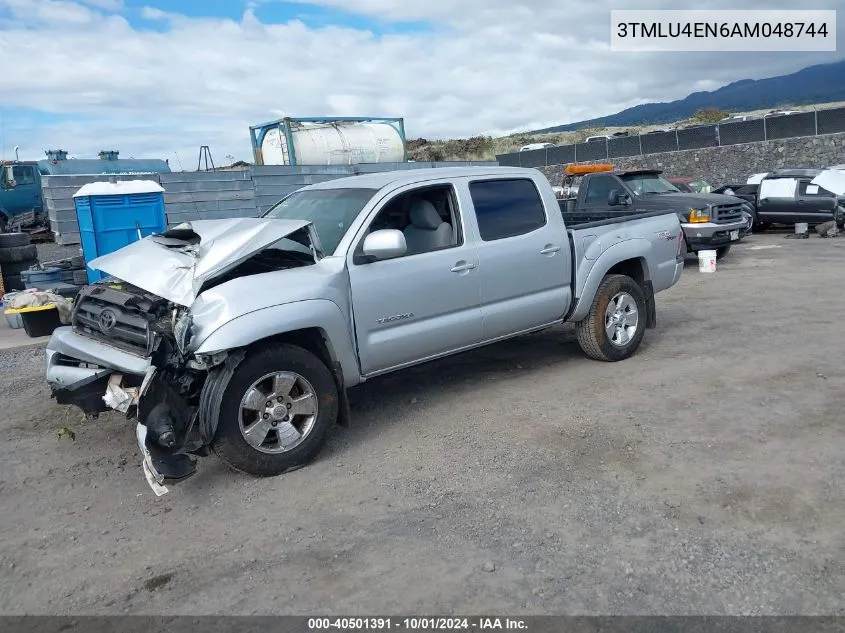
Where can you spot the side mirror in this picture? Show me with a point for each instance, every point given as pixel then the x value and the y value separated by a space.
pixel 385 244
pixel 617 198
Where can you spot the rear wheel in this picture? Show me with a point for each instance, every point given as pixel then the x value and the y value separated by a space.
pixel 276 411
pixel 615 326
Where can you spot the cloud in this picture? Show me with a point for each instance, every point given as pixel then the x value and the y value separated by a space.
pixel 486 66
pixel 106 5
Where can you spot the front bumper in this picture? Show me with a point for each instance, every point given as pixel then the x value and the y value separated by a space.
pixel 66 345
pixel 78 372
pixel 710 235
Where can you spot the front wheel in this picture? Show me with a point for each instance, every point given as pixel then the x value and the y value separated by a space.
pixel 615 326
pixel 722 251
pixel 276 411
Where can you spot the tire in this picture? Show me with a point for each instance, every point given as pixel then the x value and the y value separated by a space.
pixel 229 441
pixel 722 251
pixel 16 267
pixel 762 226
pixel 8 240
pixel 13 254
pixel 591 331
pixel 80 277
pixel 12 282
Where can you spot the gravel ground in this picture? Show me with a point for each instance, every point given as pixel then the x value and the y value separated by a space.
pixel 50 251
pixel 702 476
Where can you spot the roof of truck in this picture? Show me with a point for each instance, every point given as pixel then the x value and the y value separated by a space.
pixel 401 177
pixel 794 172
pixel 623 172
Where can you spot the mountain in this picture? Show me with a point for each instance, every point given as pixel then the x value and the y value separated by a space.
pixel 815 84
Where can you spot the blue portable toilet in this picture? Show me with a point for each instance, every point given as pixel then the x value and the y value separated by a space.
pixel 112 215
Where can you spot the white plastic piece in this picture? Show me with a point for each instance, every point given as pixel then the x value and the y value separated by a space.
pixel 117 397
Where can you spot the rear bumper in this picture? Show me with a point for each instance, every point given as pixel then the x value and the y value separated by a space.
pixel 711 235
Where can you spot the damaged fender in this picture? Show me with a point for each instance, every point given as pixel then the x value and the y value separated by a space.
pixel 249 328
pixel 211 397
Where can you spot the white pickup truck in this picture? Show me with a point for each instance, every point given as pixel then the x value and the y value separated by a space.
pixel 243 335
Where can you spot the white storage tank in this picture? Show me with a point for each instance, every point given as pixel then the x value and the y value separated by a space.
pixel 335 142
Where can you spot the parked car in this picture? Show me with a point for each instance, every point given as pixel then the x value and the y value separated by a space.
pixel 600 137
pixel 780 113
pixel 243 335
pixel 709 221
pixel 735 118
pixel 688 184
pixel 533 146
pixel 787 196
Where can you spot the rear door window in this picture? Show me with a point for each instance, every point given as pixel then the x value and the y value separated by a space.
pixel 808 189
pixel 507 207
pixel 599 189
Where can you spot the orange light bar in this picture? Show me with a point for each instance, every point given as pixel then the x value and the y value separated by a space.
pixel 572 170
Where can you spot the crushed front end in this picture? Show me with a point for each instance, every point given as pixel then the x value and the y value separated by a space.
pixel 125 351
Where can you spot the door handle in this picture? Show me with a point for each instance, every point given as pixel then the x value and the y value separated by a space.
pixel 461 266
pixel 549 249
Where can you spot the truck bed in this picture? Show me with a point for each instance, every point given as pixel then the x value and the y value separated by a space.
pixel 600 217
pixel 592 235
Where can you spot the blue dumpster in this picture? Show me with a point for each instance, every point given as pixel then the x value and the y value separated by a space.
pixel 112 215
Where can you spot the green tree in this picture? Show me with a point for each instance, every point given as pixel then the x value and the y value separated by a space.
pixel 710 115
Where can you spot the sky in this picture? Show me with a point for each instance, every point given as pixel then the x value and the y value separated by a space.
pixel 159 78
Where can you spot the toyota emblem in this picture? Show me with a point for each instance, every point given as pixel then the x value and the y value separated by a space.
pixel 107 320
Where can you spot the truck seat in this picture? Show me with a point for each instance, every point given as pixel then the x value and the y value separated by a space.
pixel 427 230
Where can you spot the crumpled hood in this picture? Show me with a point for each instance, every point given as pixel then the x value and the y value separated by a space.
pixel 175 264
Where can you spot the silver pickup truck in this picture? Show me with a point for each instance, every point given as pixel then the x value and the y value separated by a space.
pixel 243 335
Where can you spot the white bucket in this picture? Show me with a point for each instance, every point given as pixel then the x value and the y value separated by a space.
pixel 707 261
pixel 800 228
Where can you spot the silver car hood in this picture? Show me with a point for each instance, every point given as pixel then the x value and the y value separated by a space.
pixel 175 264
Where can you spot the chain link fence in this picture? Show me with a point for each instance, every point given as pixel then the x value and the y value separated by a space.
pixel 770 128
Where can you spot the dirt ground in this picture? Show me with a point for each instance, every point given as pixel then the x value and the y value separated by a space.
pixel 702 476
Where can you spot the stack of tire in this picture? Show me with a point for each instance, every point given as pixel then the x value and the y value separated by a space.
pixel 16 255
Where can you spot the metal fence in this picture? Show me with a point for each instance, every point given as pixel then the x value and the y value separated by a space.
pixel 208 195
pixel 812 123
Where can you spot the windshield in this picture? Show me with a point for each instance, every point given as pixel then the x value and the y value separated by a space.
pixel 331 211
pixel 701 186
pixel 649 183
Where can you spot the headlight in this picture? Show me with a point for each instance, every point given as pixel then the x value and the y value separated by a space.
pixel 182 331
pixel 699 215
